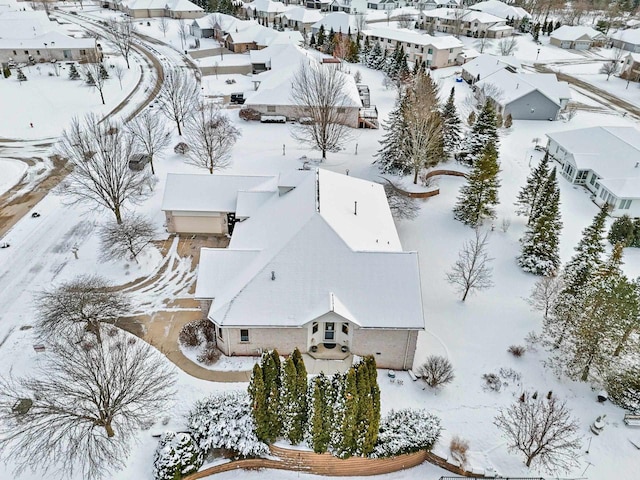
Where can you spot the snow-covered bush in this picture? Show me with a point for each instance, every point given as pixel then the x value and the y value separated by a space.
pixel 197 332
pixel 209 354
pixel 224 421
pixel 248 114
pixel 624 389
pixel 176 456
pixel 516 350
pixel 406 431
pixel 181 148
pixel 492 382
pixel 436 371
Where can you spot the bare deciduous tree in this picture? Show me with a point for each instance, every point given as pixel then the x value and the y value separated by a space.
pixel 436 371
pixel 360 21
pixel 99 154
pixel 401 206
pixel 94 70
pixel 163 25
pixel 404 20
pixel 472 271
pixel 543 430
pixel 183 32
pixel 129 238
pixel 121 34
pixel 319 95
pixel 544 294
pixel 150 134
pixel 178 97
pixel 118 71
pixel 87 300
pixel 508 46
pixel 84 406
pixel 482 43
pixel 211 135
pixel 612 66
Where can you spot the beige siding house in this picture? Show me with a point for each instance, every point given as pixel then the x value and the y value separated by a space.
pixel 436 52
pixel 469 23
pixel 577 37
pixel 308 267
pixel 178 9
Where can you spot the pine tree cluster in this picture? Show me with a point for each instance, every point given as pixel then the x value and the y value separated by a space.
pixel 21 76
pixel 73 72
pixel 590 326
pixel 483 131
pixel 340 414
pixel 539 199
pixel 338 44
pixel 394 64
pixel 626 231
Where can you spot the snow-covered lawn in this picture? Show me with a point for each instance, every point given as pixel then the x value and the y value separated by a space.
pixel 474 335
pixel 224 363
pixel 12 172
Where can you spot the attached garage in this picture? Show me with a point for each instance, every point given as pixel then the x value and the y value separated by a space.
pixel 202 204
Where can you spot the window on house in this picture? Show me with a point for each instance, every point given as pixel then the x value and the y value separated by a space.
pixel 314 328
pixel 345 328
pixel 329 331
pixel 37 52
pixel 244 335
pixel 83 52
pixel 220 333
pixel 26 52
pixel 271 108
pixel 15 53
pixel 451 50
pixel 593 180
pixel 582 174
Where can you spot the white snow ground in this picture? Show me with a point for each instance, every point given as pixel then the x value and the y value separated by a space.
pixel 474 335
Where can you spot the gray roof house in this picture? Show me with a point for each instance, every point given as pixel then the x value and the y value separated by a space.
pixel 308 266
pixel 605 160
pixel 627 40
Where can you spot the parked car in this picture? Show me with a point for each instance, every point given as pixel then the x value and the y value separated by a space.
pixel 4 245
pixel 237 98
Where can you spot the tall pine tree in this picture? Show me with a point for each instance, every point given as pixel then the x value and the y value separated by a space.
pixel 258 397
pixel 390 158
pixel 483 132
pixel 300 419
pixel 451 126
pixel 289 401
pixel 540 242
pixel 321 414
pixel 531 192
pixel 348 445
pixel 479 196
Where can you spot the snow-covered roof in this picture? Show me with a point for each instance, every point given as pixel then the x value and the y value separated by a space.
pixel 573 33
pixel 305 253
pixel 267 6
pixel 264 36
pixel 278 56
pixel 52 39
pixel 224 22
pixel 275 85
pixel 500 9
pixel 613 153
pixel 512 86
pixel 301 14
pixel 634 56
pixel 484 65
pixel 173 5
pixel 210 193
pixel 25 24
pixel 411 36
pixel 632 23
pixel 467 16
pixel 339 22
pixel 631 36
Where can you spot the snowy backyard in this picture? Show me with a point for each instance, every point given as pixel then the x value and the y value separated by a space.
pixel 474 335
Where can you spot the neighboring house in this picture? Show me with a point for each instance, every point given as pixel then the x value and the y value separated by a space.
pixel 501 10
pixel 431 4
pixel 177 9
pixel 207 204
pixel 381 4
pixel 273 92
pixel 300 18
pixel 308 267
pixel 46 47
pixel 533 96
pixel 275 57
pixel 605 160
pixel 260 9
pixel 348 6
pixel 577 38
pixel 257 37
pixel 469 23
pixel 436 52
pixel 339 22
pixel 627 40
pixel 631 67
pixel 220 25
pixel 322 5
pixel 484 65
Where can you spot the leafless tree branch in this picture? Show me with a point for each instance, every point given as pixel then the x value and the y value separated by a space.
pixel 472 271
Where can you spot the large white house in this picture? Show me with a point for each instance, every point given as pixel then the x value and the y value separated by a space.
pixel 605 160
pixel 308 266
pixel 577 37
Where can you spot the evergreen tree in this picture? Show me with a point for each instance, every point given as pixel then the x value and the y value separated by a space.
pixel 478 197
pixel 321 414
pixel 299 423
pixel 73 72
pixel 536 32
pixel 321 37
pixel 258 397
pixel 289 401
pixel 577 273
pixel 336 399
pixel 624 388
pixel 483 132
pixel 103 72
pixel 541 240
pixel 312 41
pixel 374 423
pixel 390 158
pixel 622 231
pixel 532 190
pixel 391 66
pixel 90 80
pixel 21 76
pixel 365 443
pixel 6 71
pixel 375 57
pixel 451 126
pixel 365 51
pixel 348 436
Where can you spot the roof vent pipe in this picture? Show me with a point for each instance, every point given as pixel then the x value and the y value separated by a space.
pixel 273 275
pixel 355 208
